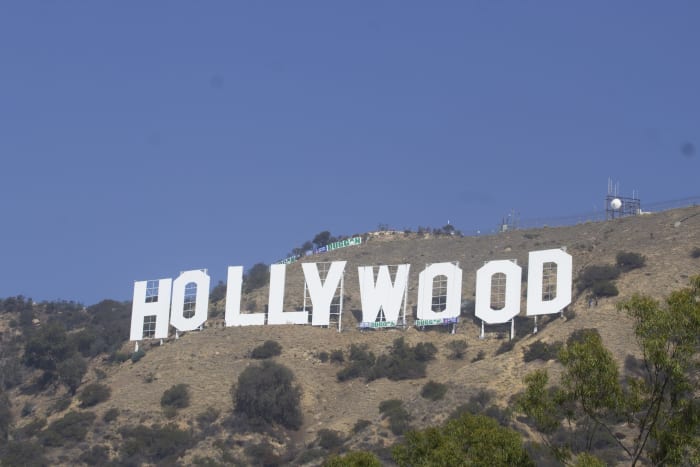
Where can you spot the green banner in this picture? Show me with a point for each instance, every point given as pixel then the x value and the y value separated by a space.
pixel 344 243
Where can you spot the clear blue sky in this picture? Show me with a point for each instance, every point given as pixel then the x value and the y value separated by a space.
pixel 140 139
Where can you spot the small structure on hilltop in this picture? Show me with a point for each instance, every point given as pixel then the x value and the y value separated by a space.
pixel 619 206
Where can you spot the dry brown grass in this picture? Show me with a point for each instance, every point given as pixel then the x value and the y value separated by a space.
pixel 211 360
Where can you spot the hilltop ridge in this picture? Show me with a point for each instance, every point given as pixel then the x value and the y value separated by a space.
pixel 210 361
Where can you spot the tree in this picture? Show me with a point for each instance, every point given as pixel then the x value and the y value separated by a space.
pixel 47 347
pixel 661 402
pixel 256 277
pixel 218 293
pixel 71 371
pixel 468 440
pixel 322 238
pixel 658 403
pixel 268 393
pixel 591 382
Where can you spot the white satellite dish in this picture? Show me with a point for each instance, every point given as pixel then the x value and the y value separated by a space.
pixel 616 204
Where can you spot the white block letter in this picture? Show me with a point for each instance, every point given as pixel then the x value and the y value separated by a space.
pixel 382 295
pixel 513 273
pixel 275 309
pixel 233 316
pixel 562 295
pixel 425 291
pixel 150 311
pixel 322 294
pixel 196 284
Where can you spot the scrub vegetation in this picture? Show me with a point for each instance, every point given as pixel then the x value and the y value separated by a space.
pixel 616 386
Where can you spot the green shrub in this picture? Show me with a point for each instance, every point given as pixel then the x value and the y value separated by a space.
pixel 61 404
pixel 458 349
pixel 360 425
pixel 93 394
pixel 479 356
pixel 476 404
pixel 138 355
pixel 398 416
pixel 267 350
pixel 402 362
pixel 329 439
pixel 71 428
pixel 354 459
pixel 267 393
pixel 262 454
pixel 433 391
pixel 591 275
pixel 30 429
pixel 323 356
pixel 256 277
pixel 71 371
pixel 695 253
pixel 156 444
pixel 209 416
pixel 177 397
pixel 580 335
pixel 468 440
pixel 539 350
pixel 337 356
pixel 506 346
pixel 111 415
pixel 96 455
pixel 627 261
pixel 23 454
pixel 47 347
pixel 604 289
pixel 119 357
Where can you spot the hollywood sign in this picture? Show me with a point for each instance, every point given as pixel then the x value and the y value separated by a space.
pixel 183 302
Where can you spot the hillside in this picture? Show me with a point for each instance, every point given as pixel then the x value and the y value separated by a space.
pixel 210 361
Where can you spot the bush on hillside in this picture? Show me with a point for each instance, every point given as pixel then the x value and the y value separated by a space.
pixel 402 362
pixel 354 459
pixel 267 350
pixel 329 439
pixel 138 355
pixel 506 346
pixel 156 444
pixel 96 455
pixel 176 397
pixel 72 427
pixel 458 349
pixel 591 275
pixel 627 261
pixel 695 252
pixel 93 394
pixel 23 453
pixel 71 371
pixel 360 425
pixel 111 415
pixel 398 417
pixel 544 351
pixel 604 289
pixel 479 356
pixel 267 393
pixel 433 391
pixel 337 356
